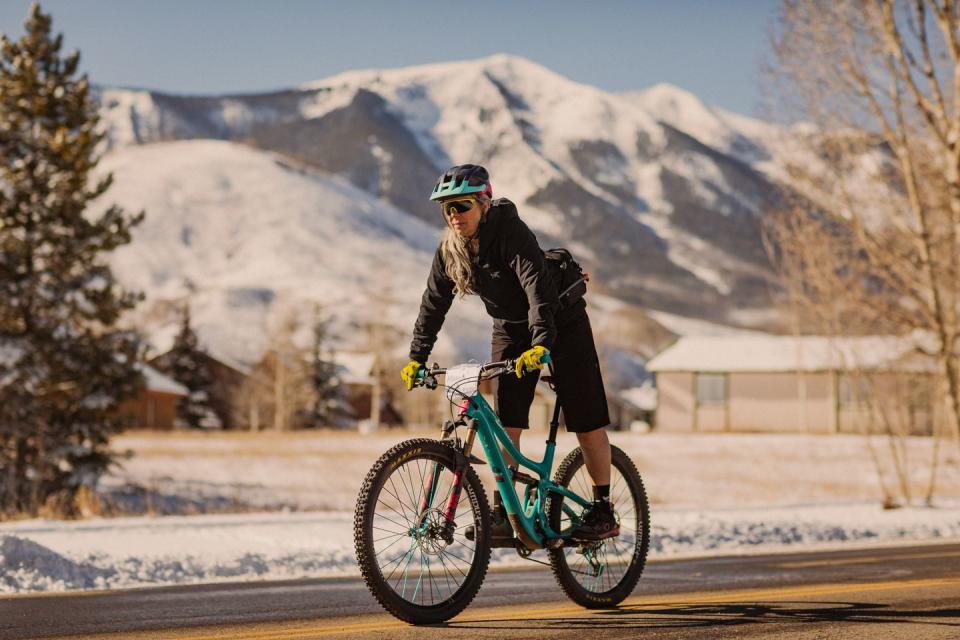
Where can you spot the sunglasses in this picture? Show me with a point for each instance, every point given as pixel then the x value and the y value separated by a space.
pixel 458 207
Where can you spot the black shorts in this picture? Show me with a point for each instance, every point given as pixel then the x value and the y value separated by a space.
pixel 576 374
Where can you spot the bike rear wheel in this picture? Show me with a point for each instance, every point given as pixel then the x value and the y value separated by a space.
pixel 601 574
pixel 420 570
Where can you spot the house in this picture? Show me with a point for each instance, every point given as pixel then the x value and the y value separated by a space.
pixel 634 408
pixel 156 405
pixel 812 384
pixel 227 378
pixel 370 405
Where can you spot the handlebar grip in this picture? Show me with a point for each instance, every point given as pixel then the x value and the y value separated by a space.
pixel 545 358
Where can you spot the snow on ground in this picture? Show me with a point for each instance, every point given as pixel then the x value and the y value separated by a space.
pixel 135 552
pixel 710 494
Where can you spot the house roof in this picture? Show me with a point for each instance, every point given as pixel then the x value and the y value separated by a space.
pixel 156 381
pixel 355 367
pixel 153 379
pixel 643 397
pixel 770 353
pixel 225 361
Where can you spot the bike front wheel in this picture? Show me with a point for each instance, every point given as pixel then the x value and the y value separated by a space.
pixel 600 574
pixel 418 564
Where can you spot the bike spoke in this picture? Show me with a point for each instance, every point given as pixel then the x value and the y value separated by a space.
pixel 626 488
pixel 404 480
pixel 383 517
pixel 430 578
pixel 430 570
pixel 454 564
pixel 423 487
pixel 393 534
pixel 615 482
pixel 397 561
pixel 406 570
pixel 416 589
pixel 403 513
pixel 446 573
pixel 586 490
pixel 464 541
pixel 451 553
pixel 603 567
pixel 379 553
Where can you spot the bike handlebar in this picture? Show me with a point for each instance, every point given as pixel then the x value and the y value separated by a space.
pixel 488 370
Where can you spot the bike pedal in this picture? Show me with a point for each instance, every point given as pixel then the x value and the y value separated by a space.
pixel 589 541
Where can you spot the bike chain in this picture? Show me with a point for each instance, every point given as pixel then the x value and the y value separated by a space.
pixel 547 564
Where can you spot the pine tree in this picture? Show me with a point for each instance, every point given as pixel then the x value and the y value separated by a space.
pixel 64 364
pixel 330 408
pixel 186 362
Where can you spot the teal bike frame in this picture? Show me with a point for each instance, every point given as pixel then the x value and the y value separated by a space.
pixel 528 516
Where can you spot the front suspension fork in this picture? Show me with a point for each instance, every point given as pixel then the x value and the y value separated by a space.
pixel 462 462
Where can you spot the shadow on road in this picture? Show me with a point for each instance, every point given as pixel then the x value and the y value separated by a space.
pixel 720 614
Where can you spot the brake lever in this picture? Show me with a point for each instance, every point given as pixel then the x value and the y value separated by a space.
pixel 428 377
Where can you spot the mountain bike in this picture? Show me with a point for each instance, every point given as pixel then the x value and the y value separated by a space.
pixel 422 521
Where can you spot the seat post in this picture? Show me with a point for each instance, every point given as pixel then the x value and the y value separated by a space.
pixel 554 423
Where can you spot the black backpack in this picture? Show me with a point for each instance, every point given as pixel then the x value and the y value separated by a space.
pixel 568 275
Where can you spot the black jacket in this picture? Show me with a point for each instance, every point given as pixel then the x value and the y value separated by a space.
pixel 509 275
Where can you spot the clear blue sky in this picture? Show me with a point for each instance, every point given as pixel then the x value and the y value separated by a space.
pixel 712 48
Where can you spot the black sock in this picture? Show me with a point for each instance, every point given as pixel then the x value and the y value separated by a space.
pixel 601 493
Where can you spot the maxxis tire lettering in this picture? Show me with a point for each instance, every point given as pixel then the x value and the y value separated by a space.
pixel 561 570
pixel 366 502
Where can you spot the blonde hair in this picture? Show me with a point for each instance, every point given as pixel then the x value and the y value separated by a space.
pixel 455 251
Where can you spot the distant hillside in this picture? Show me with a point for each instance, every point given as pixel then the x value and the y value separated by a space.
pixel 660 195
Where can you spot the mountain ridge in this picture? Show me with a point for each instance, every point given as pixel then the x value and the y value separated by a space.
pixel 663 207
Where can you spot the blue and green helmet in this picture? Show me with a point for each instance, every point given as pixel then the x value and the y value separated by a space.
pixel 461 180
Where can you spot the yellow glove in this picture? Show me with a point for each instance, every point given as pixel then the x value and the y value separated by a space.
pixel 531 359
pixel 409 373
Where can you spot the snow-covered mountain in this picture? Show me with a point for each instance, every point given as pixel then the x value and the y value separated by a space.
pixel 659 195
pixel 747 139
pixel 252 241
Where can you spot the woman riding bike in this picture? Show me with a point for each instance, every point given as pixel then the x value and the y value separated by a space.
pixel 487 250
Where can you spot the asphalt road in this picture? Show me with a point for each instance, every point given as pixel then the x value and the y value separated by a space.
pixel 898 592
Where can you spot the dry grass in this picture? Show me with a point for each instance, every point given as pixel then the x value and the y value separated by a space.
pixel 194 472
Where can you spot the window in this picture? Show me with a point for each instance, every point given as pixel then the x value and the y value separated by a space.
pixel 711 389
pixel 852 391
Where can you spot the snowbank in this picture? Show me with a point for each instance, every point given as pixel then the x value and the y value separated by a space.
pixel 711 494
pixel 40 555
